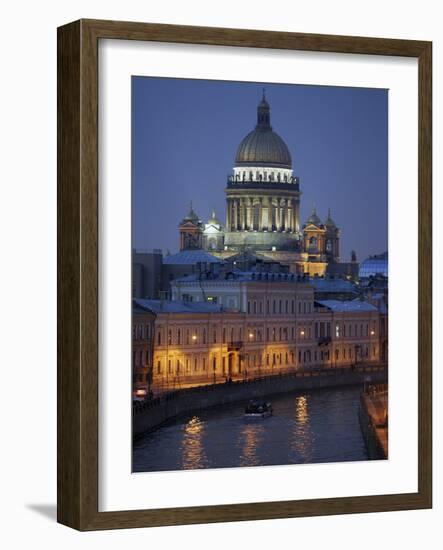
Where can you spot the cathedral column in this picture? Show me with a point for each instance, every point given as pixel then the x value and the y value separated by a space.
pixel 235 211
pixel 297 216
pixel 277 216
pixel 243 214
pixel 265 213
pixel 289 226
pixel 228 214
pixel 248 214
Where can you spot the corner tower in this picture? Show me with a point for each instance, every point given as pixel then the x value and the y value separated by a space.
pixel 262 194
pixel 191 231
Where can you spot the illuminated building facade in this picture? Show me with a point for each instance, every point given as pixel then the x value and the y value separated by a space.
pixel 274 331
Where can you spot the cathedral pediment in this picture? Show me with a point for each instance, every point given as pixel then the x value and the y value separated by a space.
pixel 312 227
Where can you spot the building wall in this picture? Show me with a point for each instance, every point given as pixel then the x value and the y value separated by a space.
pixel 198 348
pixel 143 331
pixel 146 273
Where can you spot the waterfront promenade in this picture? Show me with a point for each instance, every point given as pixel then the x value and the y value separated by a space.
pixel 374 419
pixel 151 414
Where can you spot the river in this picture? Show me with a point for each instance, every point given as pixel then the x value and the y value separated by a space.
pixel 307 427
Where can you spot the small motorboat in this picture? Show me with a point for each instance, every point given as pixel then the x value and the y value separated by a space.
pixel 258 409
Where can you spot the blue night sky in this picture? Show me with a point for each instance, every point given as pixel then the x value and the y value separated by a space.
pixel 186 133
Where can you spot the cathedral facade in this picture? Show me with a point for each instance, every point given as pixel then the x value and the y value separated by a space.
pixel 263 209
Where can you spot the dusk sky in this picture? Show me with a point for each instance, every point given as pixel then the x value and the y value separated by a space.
pixel 186 133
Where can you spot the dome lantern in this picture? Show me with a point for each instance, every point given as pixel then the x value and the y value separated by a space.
pixel 263 113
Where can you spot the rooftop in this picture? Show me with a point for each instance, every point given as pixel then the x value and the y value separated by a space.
pixel 352 305
pixel 169 306
pixel 332 285
pixel 191 257
pixel 374 265
pixel 241 276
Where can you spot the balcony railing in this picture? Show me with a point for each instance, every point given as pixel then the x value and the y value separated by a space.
pixel 235 346
pixel 324 340
pixel 292 183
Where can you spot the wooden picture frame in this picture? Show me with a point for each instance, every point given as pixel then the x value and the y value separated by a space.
pixel 78 274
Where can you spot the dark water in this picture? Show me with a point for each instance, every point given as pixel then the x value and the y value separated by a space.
pixel 310 426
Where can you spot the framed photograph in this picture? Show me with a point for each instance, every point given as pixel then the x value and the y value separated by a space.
pixel 244 275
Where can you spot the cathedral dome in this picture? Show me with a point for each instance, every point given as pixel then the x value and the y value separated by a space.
pixel 313 218
pixel 213 220
pixel 329 223
pixel 262 146
pixel 191 216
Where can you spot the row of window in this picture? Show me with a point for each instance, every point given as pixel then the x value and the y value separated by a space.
pixel 141 332
pixel 273 334
pixel 201 364
pixel 141 358
pixel 279 307
pixel 353 329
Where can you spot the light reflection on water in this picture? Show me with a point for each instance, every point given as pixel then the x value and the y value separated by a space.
pixel 250 439
pixel 302 437
pixel 192 449
pixel 313 426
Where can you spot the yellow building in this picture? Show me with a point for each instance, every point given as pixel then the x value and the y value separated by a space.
pixel 281 329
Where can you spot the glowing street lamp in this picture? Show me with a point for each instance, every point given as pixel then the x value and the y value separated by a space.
pixel 194 337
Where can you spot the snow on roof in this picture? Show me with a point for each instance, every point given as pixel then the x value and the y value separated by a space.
pixel 342 306
pixel 177 306
pixel 332 285
pixel 189 257
pixel 240 276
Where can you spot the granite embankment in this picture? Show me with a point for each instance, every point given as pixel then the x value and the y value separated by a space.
pixel 151 414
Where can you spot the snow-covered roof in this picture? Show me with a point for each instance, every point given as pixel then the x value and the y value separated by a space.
pixel 189 257
pixel 332 285
pixel 347 305
pixel 177 306
pixel 241 276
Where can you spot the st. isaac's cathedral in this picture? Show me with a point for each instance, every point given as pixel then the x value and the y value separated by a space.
pixel 263 211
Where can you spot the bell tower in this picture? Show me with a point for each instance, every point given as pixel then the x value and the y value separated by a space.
pixel 191 231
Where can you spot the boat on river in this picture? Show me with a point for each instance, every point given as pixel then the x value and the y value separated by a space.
pixel 258 409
